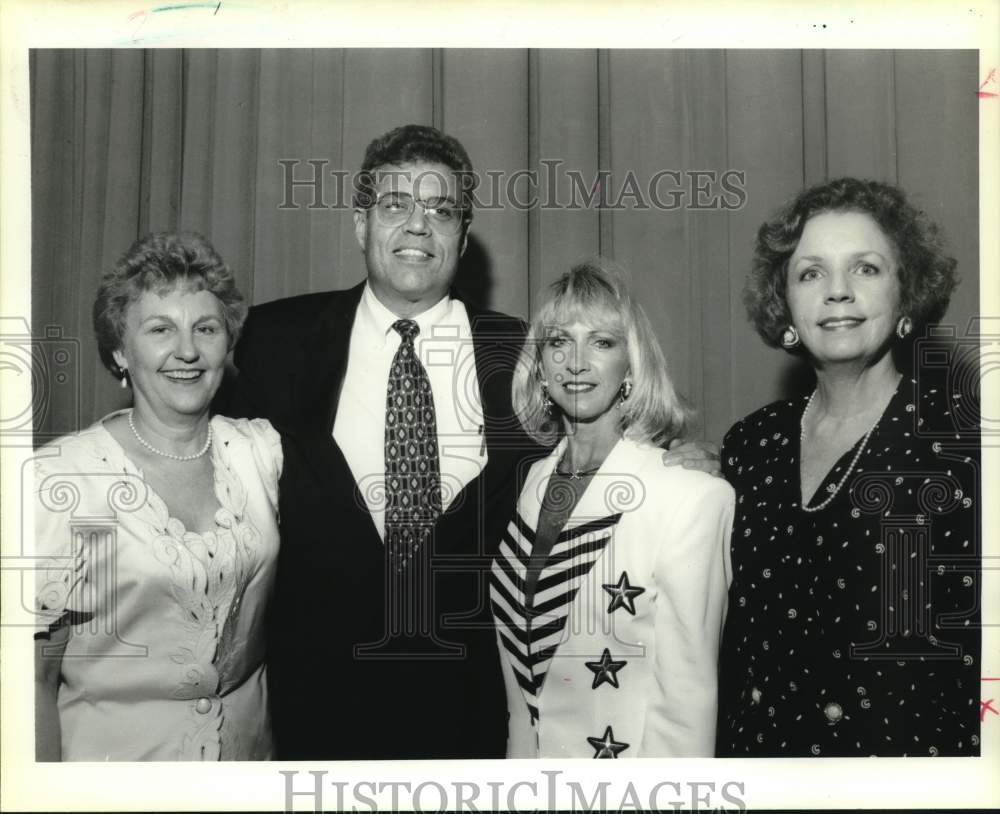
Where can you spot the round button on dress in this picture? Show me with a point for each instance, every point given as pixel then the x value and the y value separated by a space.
pixel 858 574
pixel 833 711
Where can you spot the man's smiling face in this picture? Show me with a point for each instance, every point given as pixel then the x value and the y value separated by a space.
pixel 412 264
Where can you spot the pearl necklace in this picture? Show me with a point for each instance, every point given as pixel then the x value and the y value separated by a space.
pixel 151 448
pixel 854 460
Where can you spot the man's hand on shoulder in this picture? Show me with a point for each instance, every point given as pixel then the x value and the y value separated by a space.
pixel 701 455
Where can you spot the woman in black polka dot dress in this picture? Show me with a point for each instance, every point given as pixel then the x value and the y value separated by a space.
pixel 853 624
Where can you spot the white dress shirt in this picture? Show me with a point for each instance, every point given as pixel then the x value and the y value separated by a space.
pixel 444 347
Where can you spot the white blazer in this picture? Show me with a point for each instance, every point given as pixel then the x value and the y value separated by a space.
pixel 621 661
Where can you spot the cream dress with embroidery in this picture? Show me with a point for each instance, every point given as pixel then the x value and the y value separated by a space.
pixel 165 659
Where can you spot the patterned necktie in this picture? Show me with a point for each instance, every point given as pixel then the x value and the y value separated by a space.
pixel 412 469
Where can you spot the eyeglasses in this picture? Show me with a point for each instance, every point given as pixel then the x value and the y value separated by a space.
pixel 395 208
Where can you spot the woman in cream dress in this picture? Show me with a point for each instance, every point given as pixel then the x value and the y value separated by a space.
pixel 158 533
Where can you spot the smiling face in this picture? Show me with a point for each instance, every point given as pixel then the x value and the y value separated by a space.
pixel 843 288
pixel 412 264
pixel 174 348
pixel 585 365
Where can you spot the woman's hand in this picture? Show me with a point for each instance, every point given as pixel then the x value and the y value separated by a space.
pixel 49 649
pixel 701 455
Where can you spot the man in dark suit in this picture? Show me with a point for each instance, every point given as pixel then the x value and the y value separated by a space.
pixel 380 642
pixel 403 461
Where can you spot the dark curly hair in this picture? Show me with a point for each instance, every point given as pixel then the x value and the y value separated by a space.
pixel 409 144
pixel 161 262
pixel 926 274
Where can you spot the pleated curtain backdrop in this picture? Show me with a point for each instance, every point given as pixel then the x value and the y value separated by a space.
pixel 128 141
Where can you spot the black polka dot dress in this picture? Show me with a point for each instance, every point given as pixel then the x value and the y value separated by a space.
pixel 854 630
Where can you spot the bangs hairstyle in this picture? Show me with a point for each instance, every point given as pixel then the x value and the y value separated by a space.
pixel 595 293
pixel 162 262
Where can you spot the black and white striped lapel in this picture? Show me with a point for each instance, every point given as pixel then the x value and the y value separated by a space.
pixel 531 635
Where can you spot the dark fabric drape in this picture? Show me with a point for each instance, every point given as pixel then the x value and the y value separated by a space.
pixel 128 141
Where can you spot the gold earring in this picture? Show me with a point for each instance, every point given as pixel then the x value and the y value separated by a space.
pixel 624 392
pixel 904 327
pixel 547 404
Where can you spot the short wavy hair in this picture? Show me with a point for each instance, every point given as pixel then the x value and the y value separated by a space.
pixel 595 292
pixel 926 274
pixel 161 262
pixel 409 144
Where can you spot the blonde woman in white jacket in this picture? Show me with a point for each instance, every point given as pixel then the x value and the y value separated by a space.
pixel 609 587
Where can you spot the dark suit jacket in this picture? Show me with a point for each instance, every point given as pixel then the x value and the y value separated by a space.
pixel 345 684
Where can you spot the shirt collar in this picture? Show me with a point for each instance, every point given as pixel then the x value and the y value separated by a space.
pixel 379 320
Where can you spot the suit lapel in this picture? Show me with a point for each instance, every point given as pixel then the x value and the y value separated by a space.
pixel 529 505
pixel 496 345
pixel 580 547
pixel 601 497
pixel 318 384
pixel 593 519
pixel 598 507
pixel 324 354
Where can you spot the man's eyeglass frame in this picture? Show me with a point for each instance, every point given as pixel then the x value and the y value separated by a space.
pixel 431 209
